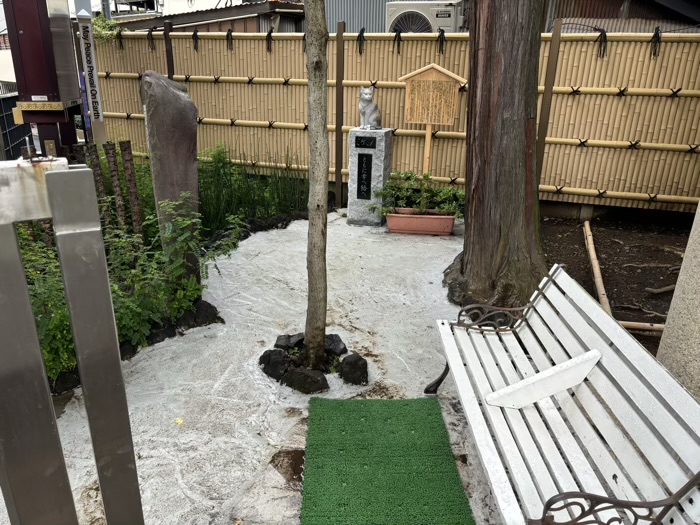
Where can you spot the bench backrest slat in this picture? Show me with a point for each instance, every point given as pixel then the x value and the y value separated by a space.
pixel 605 442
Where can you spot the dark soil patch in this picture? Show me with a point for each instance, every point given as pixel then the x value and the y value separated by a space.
pixel 290 463
pixel 636 250
pixel 202 314
pixel 382 390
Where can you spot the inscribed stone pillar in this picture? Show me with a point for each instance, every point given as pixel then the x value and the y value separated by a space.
pixel 171 133
pixel 680 345
pixel 370 167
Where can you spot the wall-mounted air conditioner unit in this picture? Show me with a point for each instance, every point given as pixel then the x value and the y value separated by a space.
pixel 424 17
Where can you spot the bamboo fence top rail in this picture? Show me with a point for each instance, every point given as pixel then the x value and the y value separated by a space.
pixel 383 84
pixel 417 37
pixel 448 135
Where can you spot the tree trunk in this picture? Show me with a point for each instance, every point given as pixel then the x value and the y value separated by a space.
pixel 679 350
pixel 502 260
pixel 317 68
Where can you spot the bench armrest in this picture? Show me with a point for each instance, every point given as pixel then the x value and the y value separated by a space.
pixel 489 318
pixel 584 507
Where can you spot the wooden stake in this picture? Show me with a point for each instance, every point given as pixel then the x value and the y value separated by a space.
pixel 132 189
pixel 111 154
pixel 597 276
pixel 428 148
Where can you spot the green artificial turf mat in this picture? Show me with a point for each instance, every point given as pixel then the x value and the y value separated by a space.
pixel 377 462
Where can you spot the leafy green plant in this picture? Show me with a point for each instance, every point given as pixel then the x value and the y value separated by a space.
pixel 411 190
pixel 104 29
pixel 151 281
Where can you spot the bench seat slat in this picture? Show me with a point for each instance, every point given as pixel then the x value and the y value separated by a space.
pixel 519 430
pixel 499 482
pixel 517 468
pixel 550 451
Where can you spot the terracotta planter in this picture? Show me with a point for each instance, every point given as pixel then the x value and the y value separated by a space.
pixel 407 220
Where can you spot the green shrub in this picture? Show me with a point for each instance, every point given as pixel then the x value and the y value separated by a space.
pixel 411 190
pixel 150 281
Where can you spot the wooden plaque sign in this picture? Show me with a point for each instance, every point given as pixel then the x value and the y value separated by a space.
pixel 431 95
pixel 431 99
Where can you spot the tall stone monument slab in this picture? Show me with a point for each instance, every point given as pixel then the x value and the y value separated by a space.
pixel 370 167
pixel 171 133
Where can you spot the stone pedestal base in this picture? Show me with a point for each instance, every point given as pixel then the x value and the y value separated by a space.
pixel 370 166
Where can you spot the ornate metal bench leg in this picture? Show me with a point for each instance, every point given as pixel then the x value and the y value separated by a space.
pixel 432 388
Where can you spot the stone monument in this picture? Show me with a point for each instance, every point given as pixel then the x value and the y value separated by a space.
pixel 370 167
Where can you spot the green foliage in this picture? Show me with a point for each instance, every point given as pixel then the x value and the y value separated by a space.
pixel 411 190
pixel 104 29
pixel 227 190
pixel 151 281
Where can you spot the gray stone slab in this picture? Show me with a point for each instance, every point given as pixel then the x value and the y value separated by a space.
pixel 679 350
pixel 370 167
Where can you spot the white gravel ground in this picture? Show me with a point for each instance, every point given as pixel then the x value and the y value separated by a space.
pixel 213 467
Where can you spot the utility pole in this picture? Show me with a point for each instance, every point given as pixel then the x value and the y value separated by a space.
pixel 106 9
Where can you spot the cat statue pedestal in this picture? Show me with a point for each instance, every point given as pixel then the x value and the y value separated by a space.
pixel 370 167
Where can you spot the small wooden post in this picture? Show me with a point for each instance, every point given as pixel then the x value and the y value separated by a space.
pixel 169 60
pixel 339 109
pixel 547 96
pixel 428 147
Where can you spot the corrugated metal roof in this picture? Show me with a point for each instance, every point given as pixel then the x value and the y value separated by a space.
pixel 370 14
pixel 610 9
pixel 620 25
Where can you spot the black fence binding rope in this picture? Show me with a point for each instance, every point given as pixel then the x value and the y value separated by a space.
pixel 303 43
pixel 441 39
pixel 655 43
pixel 675 92
pixel 602 40
pixel 575 91
pixel 397 41
pixel 149 38
pixel 120 39
pixel 634 145
pixel 195 39
pixel 229 39
pixel 268 39
pixel 361 41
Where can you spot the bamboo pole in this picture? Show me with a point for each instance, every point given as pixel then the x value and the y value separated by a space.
pixel 654 329
pixel 597 275
pixel 111 154
pixel 385 84
pixel 428 148
pixel 546 105
pixel 133 192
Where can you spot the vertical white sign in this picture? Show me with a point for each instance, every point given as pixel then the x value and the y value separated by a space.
pixel 92 83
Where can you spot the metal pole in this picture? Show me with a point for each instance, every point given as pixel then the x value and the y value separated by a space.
pixel 81 251
pixel 169 60
pixel 339 109
pixel 106 9
pixel 547 96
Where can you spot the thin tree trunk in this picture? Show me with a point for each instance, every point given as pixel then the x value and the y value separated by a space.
pixel 111 154
pixel 502 261
pixel 130 175
pixel 317 68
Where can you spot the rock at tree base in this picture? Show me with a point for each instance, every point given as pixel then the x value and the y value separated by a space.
pixel 287 342
pixel 275 363
pixel 353 370
pixel 335 345
pixel 305 381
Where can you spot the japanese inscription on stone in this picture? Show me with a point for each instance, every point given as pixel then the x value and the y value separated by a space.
pixel 364 176
pixel 366 142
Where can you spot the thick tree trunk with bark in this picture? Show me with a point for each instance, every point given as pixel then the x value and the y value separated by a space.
pixel 317 68
pixel 502 261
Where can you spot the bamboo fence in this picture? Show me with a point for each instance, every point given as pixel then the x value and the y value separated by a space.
pixel 627 123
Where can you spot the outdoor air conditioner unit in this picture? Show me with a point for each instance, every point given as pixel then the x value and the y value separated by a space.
pixel 424 17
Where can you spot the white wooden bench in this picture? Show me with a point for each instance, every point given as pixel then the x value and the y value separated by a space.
pixel 574 421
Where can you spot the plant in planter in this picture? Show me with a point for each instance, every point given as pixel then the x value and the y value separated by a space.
pixel 412 204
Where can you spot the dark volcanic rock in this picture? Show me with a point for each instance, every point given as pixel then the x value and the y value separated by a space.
pixel 335 345
pixel 353 370
pixel 127 350
pixel 305 381
pixel 202 314
pixel 287 342
pixel 160 333
pixel 275 363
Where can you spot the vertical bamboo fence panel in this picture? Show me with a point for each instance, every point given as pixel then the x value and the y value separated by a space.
pixel 627 122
